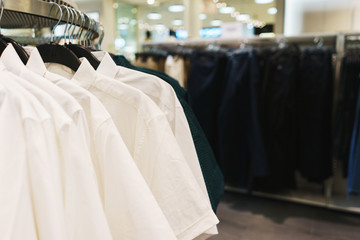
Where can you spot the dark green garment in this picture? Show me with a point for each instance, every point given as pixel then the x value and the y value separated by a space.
pixel 213 177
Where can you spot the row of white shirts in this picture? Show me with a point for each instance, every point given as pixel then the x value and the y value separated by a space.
pixel 96 155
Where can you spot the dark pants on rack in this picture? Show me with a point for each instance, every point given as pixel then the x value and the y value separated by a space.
pixel 241 150
pixel 354 155
pixel 346 106
pixel 204 88
pixel 278 121
pixel 314 115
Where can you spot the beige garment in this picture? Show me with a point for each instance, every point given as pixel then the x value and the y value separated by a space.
pixel 175 68
pixel 151 62
pixel 146 62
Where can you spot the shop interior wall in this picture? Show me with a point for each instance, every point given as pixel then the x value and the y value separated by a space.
pixel 314 16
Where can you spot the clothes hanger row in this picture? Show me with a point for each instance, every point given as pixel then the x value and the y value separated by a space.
pixel 76 45
pixel 69 53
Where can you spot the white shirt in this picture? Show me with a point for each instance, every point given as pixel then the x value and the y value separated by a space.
pixel 85 217
pixel 149 138
pixel 165 98
pixel 17 217
pixel 46 196
pixel 128 202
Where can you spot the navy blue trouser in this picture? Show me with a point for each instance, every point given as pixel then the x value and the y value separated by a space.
pixel 314 115
pixel 204 88
pixel 277 114
pixel 346 106
pixel 240 149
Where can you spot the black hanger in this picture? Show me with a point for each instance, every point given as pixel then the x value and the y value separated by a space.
pixel 24 56
pixel 82 51
pixel 55 53
pixel 3 45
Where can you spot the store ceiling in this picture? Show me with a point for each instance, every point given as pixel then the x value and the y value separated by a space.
pixel 136 2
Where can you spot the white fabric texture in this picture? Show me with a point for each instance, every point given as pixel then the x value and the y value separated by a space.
pixel 128 202
pixel 83 209
pixel 46 197
pixel 149 138
pixel 17 221
pixel 165 98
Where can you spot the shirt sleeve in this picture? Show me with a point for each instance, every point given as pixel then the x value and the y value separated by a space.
pixel 130 207
pixel 84 210
pixel 172 182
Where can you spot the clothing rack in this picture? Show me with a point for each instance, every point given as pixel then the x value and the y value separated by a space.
pixel 338 42
pixel 37 14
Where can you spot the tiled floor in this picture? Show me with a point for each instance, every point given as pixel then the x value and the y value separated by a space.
pixel 250 218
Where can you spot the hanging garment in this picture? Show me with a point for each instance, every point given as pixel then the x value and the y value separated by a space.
pixel 80 189
pixel 17 218
pixel 149 139
pixel 353 185
pixel 277 117
pixel 151 62
pixel 346 107
pixel 175 68
pixel 164 97
pixel 46 196
pixel 241 147
pixel 205 82
pixel 314 115
pixel 213 177
pixel 128 202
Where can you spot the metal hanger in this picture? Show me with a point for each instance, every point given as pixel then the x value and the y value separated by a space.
pixel 82 51
pixel 319 41
pixel 3 44
pixel 5 40
pixel 55 53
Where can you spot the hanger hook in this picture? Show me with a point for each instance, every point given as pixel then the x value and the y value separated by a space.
pixel 88 30
pixel 84 28
pixel 57 24
pixel 2 11
pixel 67 20
pixel 319 41
pixel 81 28
pixel 92 33
pixel 71 24
pixel 76 21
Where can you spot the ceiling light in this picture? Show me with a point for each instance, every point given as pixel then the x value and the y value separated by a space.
pixel 216 22
pixel 176 8
pixel 115 5
pixel 263 1
pixel 160 27
pixel 123 27
pixel 154 16
pixel 218 5
pixel 202 16
pixel 177 22
pixel 150 2
pixel 272 11
pixel 242 17
pixel 227 10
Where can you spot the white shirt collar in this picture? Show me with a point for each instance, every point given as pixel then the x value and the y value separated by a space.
pixel 35 62
pixel 107 66
pixel 86 75
pixel 11 59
